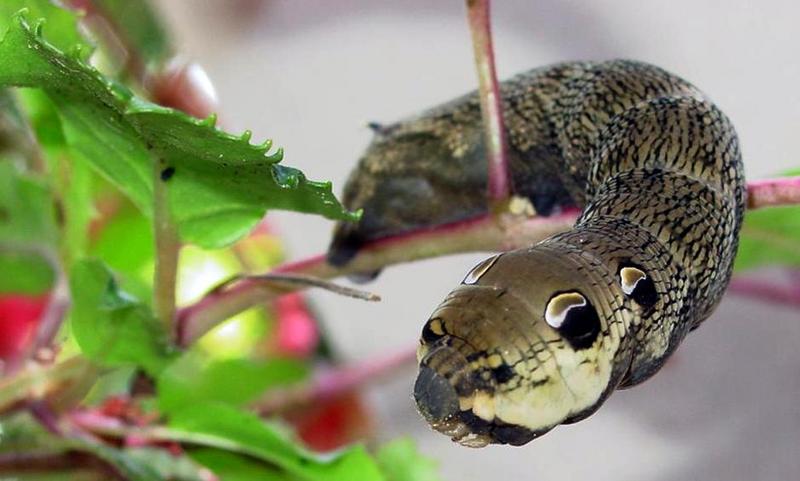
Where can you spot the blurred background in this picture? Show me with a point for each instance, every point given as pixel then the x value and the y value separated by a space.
pixel 310 74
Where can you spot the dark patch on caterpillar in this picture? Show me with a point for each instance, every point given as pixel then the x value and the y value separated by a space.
pixel 167 173
pixel 503 373
pixel 499 431
pixel 644 290
pixel 428 336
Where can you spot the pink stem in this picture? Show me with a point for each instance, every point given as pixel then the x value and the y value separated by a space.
pixel 336 381
pixel 475 235
pixel 773 192
pixel 491 101
pixel 765 291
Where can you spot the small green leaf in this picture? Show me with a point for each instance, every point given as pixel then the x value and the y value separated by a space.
pixel 61 25
pixel 26 211
pixel 234 467
pixel 111 327
pixel 72 181
pixel 27 232
pixel 770 236
pixel 220 185
pixel 225 427
pixel 194 377
pixel 400 461
pixel 25 273
pixel 125 243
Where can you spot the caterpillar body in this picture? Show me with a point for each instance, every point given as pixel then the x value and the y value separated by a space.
pixel 541 336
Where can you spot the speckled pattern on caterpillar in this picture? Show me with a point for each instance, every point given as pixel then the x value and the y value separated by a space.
pixel 541 336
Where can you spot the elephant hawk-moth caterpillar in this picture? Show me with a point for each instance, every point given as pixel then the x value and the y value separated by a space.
pixel 541 336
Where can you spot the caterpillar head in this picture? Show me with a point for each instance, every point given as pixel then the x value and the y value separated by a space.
pixel 522 345
pixel 412 177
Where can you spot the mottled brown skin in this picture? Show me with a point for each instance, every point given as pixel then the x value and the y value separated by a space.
pixel 541 336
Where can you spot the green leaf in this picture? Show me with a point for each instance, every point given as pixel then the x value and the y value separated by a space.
pixel 72 181
pixel 194 377
pixel 25 273
pixel 125 243
pixel 220 185
pixel 26 211
pixel 400 461
pixel 234 467
pixel 770 236
pixel 111 327
pixel 27 232
pixel 225 427
pixel 62 25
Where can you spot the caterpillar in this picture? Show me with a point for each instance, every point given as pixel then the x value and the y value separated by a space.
pixel 541 336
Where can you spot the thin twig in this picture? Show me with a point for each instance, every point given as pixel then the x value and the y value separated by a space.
pixel 38 382
pixel 765 291
pixel 335 381
pixel 476 235
pixel 167 249
pixel 773 192
pixel 81 466
pixel 499 182
pixel 295 281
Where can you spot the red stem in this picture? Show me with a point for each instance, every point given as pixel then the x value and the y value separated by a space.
pixel 499 182
pixel 336 381
pixel 773 192
pixel 765 291
pixel 475 235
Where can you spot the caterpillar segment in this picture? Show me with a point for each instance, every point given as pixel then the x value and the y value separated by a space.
pixel 541 336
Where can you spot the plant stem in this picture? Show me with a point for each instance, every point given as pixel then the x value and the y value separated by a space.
pixel 773 192
pixel 475 235
pixel 167 249
pixel 38 382
pixel 499 182
pixel 335 381
pixel 766 291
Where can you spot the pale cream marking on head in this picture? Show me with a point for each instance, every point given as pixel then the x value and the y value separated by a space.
pixel 559 305
pixel 478 271
pixel 629 277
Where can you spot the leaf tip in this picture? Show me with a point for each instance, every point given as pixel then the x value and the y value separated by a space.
pixel 246 136
pixel 21 14
pixel 265 146
pixel 76 52
pixel 277 156
pixel 210 121
pixel 38 27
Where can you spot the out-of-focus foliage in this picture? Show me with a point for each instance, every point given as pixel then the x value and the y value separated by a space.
pixel 80 156
pixel 219 185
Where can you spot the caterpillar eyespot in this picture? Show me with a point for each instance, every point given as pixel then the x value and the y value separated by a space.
pixel 638 286
pixel 560 306
pixel 575 319
pixel 542 336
